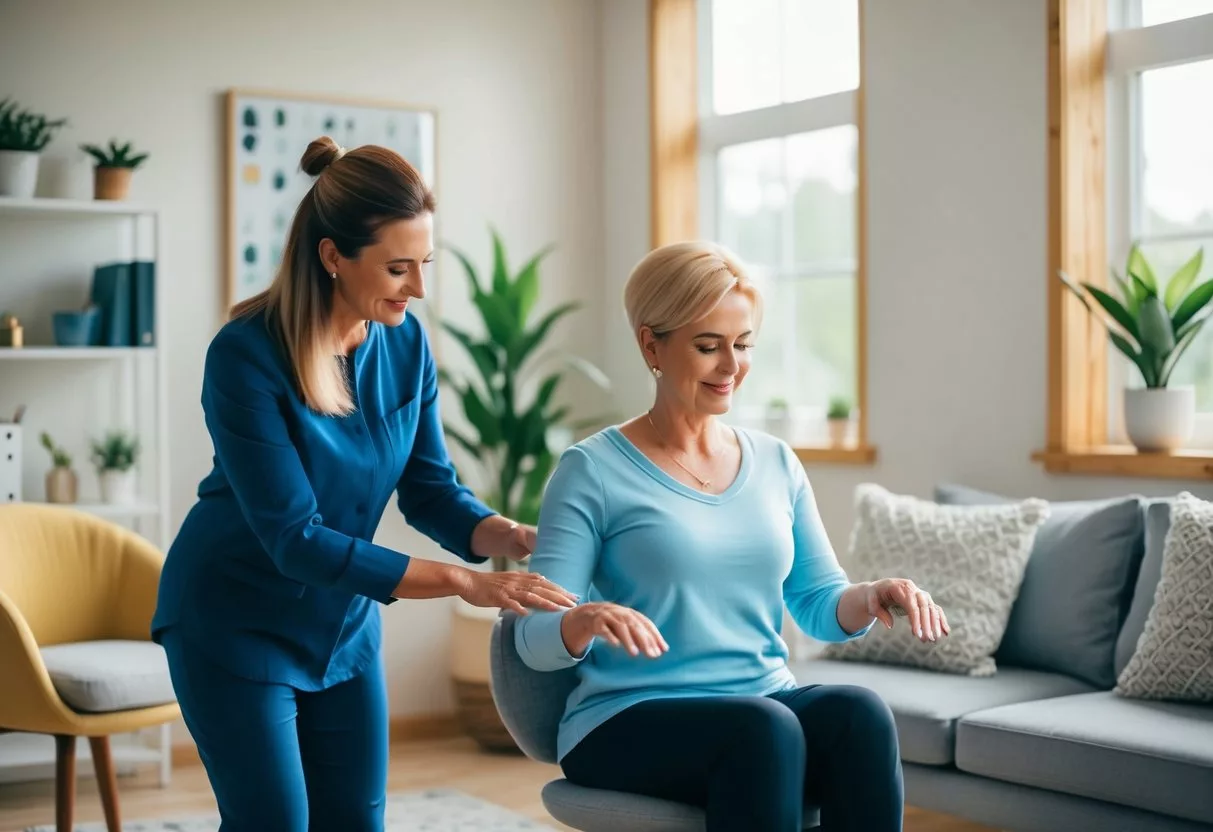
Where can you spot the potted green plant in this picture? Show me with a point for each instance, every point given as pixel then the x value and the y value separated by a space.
pixel 1152 324
pixel 508 401
pixel 115 165
pixel 62 484
pixel 115 456
pixel 23 135
pixel 838 419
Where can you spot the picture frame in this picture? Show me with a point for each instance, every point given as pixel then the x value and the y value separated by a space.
pixel 266 133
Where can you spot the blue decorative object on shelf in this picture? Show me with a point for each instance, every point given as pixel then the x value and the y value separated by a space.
pixel 76 328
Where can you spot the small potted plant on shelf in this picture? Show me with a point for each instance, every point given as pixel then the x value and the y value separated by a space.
pixel 115 456
pixel 23 135
pixel 61 481
pixel 838 418
pixel 1152 324
pixel 115 165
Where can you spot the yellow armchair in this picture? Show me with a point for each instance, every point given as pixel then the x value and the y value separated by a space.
pixel 68 577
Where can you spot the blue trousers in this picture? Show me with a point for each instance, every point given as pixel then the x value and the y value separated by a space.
pixel 282 759
pixel 752 762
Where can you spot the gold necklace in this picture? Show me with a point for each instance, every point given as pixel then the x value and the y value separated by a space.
pixel 703 484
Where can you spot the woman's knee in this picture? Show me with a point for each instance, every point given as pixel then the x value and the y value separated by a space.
pixel 767 725
pixel 865 712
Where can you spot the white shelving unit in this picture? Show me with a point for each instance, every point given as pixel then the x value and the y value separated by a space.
pixel 77 393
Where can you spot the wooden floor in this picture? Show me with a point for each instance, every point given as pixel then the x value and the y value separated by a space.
pixel 506 780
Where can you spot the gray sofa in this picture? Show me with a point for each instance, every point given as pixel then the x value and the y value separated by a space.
pixel 1045 743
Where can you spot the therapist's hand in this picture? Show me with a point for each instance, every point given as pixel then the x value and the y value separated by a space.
pixel 499 537
pixel 517 591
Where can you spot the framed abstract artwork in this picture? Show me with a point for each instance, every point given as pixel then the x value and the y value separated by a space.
pixel 266 134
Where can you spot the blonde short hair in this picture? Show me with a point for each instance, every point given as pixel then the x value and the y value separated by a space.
pixel 680 283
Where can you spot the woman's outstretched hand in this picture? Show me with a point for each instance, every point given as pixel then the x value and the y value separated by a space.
pixel 517 591
pixel 619 626
pixel 899 596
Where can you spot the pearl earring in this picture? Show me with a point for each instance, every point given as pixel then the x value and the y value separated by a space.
pixel 656 373
pixel 334 275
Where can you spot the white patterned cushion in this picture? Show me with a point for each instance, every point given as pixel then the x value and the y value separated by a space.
pixel 1174 655
pixel 970 558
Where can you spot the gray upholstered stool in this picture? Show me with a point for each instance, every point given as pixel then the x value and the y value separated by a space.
pixel 531 704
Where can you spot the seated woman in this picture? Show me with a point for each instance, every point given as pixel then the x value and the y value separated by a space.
pixel 684 538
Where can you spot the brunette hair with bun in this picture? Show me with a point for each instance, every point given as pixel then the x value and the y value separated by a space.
pixel 356 193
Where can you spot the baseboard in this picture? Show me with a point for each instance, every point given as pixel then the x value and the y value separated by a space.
pixel 413 728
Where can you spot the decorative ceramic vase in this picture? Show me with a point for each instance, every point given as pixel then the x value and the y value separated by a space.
pixel 111 183
pixel 18 173
pixel 117 486
pixel 1160 418
pixel 62 485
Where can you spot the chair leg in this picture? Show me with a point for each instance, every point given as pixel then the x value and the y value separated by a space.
pixel 107 782
pixel 65 781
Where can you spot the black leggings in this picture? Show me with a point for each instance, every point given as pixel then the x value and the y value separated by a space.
pixel 752 762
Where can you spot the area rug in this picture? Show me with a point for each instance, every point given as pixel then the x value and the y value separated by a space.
pixel 433 810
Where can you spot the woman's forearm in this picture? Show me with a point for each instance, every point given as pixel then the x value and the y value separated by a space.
pixel 853 613
pixel 430 579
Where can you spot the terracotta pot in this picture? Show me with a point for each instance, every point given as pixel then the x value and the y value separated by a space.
pixel 838 431
pixel 111 183
pixel 62 485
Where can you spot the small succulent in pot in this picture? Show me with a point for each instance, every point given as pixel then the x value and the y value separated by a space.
pixel 62 484
pixel 115 164
pixel 23 135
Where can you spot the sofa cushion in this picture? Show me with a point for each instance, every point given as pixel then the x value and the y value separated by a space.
pixel 926 704
pixel 1174 656
pixel 970 558
pixel 1152 755
pixel 1157 521
pixel 112 675
pixel 1076 588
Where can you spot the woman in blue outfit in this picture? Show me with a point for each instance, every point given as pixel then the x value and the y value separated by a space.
pixel 687 538
pixel 321 399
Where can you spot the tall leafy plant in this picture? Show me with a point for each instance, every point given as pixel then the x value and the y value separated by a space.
pixel 24 130
pixel 1153 322
pixel 512 412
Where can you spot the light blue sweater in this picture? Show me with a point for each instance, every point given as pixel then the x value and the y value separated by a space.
pixel 711 571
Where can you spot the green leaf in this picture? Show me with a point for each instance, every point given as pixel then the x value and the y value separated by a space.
pixel 1154 326
pixel 1181 281
pixel 1132 299
pixel 1139 267
pixel 501 274
pixel 1143 364
pixel 588 370
pixel 481 417
pixel 1196 320
pixel 1076 289
pixel 529 340
pixel 1113 308
pixel 498 319
pixel 533 486
pixel 1196 300
pixel 526 286
pixel 485 356
pixel 1182 344
pixel 546 389
pixel 1143 291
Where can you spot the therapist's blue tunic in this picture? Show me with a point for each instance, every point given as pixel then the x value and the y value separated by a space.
pixel 273 580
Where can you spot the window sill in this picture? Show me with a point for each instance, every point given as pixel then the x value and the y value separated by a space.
pixel 1127 461
pixel 831 455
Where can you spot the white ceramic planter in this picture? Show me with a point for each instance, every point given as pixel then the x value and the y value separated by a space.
pixel 1160 419
pixel 18 173
pixel 117 487
pixel 838 431
pixel 778 422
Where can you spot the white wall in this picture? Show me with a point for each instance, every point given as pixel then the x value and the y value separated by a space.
pixel 516 90
pixel 957 114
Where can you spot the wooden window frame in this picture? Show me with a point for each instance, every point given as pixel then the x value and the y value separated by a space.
pixel 674 180
pixel 1077 441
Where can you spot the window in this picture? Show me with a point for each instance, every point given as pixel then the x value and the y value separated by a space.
pixel 1160 167
pixel 779 183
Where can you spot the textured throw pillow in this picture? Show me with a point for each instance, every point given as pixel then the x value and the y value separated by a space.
pixel 970 558
pixel 1077 586
pixel 1174 656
